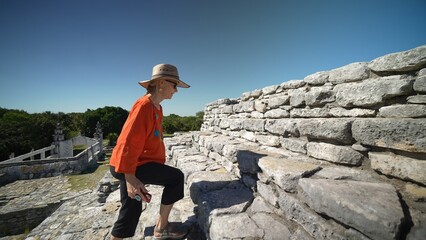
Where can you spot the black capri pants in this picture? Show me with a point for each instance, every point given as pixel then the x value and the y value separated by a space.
pixel 150 173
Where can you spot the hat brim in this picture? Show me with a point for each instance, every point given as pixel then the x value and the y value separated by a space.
pixel 179 83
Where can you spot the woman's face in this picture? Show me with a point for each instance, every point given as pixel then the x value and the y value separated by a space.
pixel 169 88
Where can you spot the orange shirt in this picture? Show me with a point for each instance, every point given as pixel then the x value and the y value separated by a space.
pixel 141 139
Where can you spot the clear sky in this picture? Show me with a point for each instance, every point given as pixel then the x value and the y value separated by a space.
pixel 74 55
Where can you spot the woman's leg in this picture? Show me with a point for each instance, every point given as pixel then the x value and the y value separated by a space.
pixel 129 213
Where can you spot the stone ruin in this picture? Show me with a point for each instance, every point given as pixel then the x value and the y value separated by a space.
pixel 340 154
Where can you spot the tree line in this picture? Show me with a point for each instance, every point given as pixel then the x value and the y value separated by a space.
pixel 20 132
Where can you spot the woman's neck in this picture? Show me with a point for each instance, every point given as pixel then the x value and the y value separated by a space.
pixel 155 100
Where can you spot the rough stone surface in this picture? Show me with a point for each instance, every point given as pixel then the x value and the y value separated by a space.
pixel 328 129
pixel 403 134
pixel 420 84
pixel 318 78
pixel 333 153
pixel 349 73
pixel 341 199
pixel 403 111
pixel 399 166
pixel 370 93
pixel 402 61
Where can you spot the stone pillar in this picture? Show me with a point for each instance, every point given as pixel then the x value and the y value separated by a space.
pixel 99 136
pixel 57 138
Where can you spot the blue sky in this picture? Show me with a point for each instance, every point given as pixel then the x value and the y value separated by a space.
pixel 74 55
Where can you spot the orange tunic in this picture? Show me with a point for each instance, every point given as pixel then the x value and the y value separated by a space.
pixel 141 139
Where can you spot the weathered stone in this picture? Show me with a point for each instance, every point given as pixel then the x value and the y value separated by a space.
pixel 256 114
pixel 278 100
pixel 372 208
pixel 333 153
pixel 248 161
pixel 236 124
pixel 260 106
pixel 237 226
pixel 256 125
pixel 292 84
pixel 266 140
pixel 317 227
pixel 403 111
pixel 399 166
pixel 294 144
pixel 301 234
pixel 286 172
pixel 272 228
pixel 283 127
pixel 256 93
pixel 346 173
pixel 420 84
pixel 328 129
pixel 277 113
pixel 318 78
pixel 417 99
pixel 202 182
pixel 270 89
pixel 297 97
pixel 267 193
pixel 259 206
pixel 349 73
pixel 309 113
pixel 355 112
pixel 372 92
pixel 403 134
pixel 416 192
pixel 318 96
pixel 248 106
pixel 400 62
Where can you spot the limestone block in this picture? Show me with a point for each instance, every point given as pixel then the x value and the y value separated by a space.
pixel 267 193
pixel 416 192
pixel 268 140
pixel 355 112
pixel 260 106
pixel 257 125
pixel 277 113
pixel 372 208
pixel 248 161
pixel 278 100
pixel 420 84
pixel 248 106
pixel 202 182
pixel 373 92
pixel 327 129
pixel 245 96
pixel 272 228
pixel 399 166
pixel 191 164
pixel 301 234
pixel 256 93
pixel 349 73
pixel 248 135
pixel 282 127
pixel 333 153
pixel 403 134
pixel 409 60
pixel 417 99
pixel 259 206
pixel 235 124
pixel 286 172
pixel 225 123
pixel 237 226
pixel 403 111
pixel 228 109
pixel 292 84
pixel 237 108
pixel 270 90
pixel 319 78
pixel 229 152
pixel 309 113
pixel 297 97
pixel 318 96
pixel 294 144
pixel 316 226
pixel 256 114
pixel 346 173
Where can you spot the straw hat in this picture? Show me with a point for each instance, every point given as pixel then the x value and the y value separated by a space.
pixel 164 71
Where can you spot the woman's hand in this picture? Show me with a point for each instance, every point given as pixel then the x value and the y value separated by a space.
pixel 135 187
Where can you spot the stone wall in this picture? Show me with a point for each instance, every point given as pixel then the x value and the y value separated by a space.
pixel 340 154
pixel 30 169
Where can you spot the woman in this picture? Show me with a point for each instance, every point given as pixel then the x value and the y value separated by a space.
pixel 139 157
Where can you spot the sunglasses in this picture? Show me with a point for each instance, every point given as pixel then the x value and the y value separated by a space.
pixel 174 84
